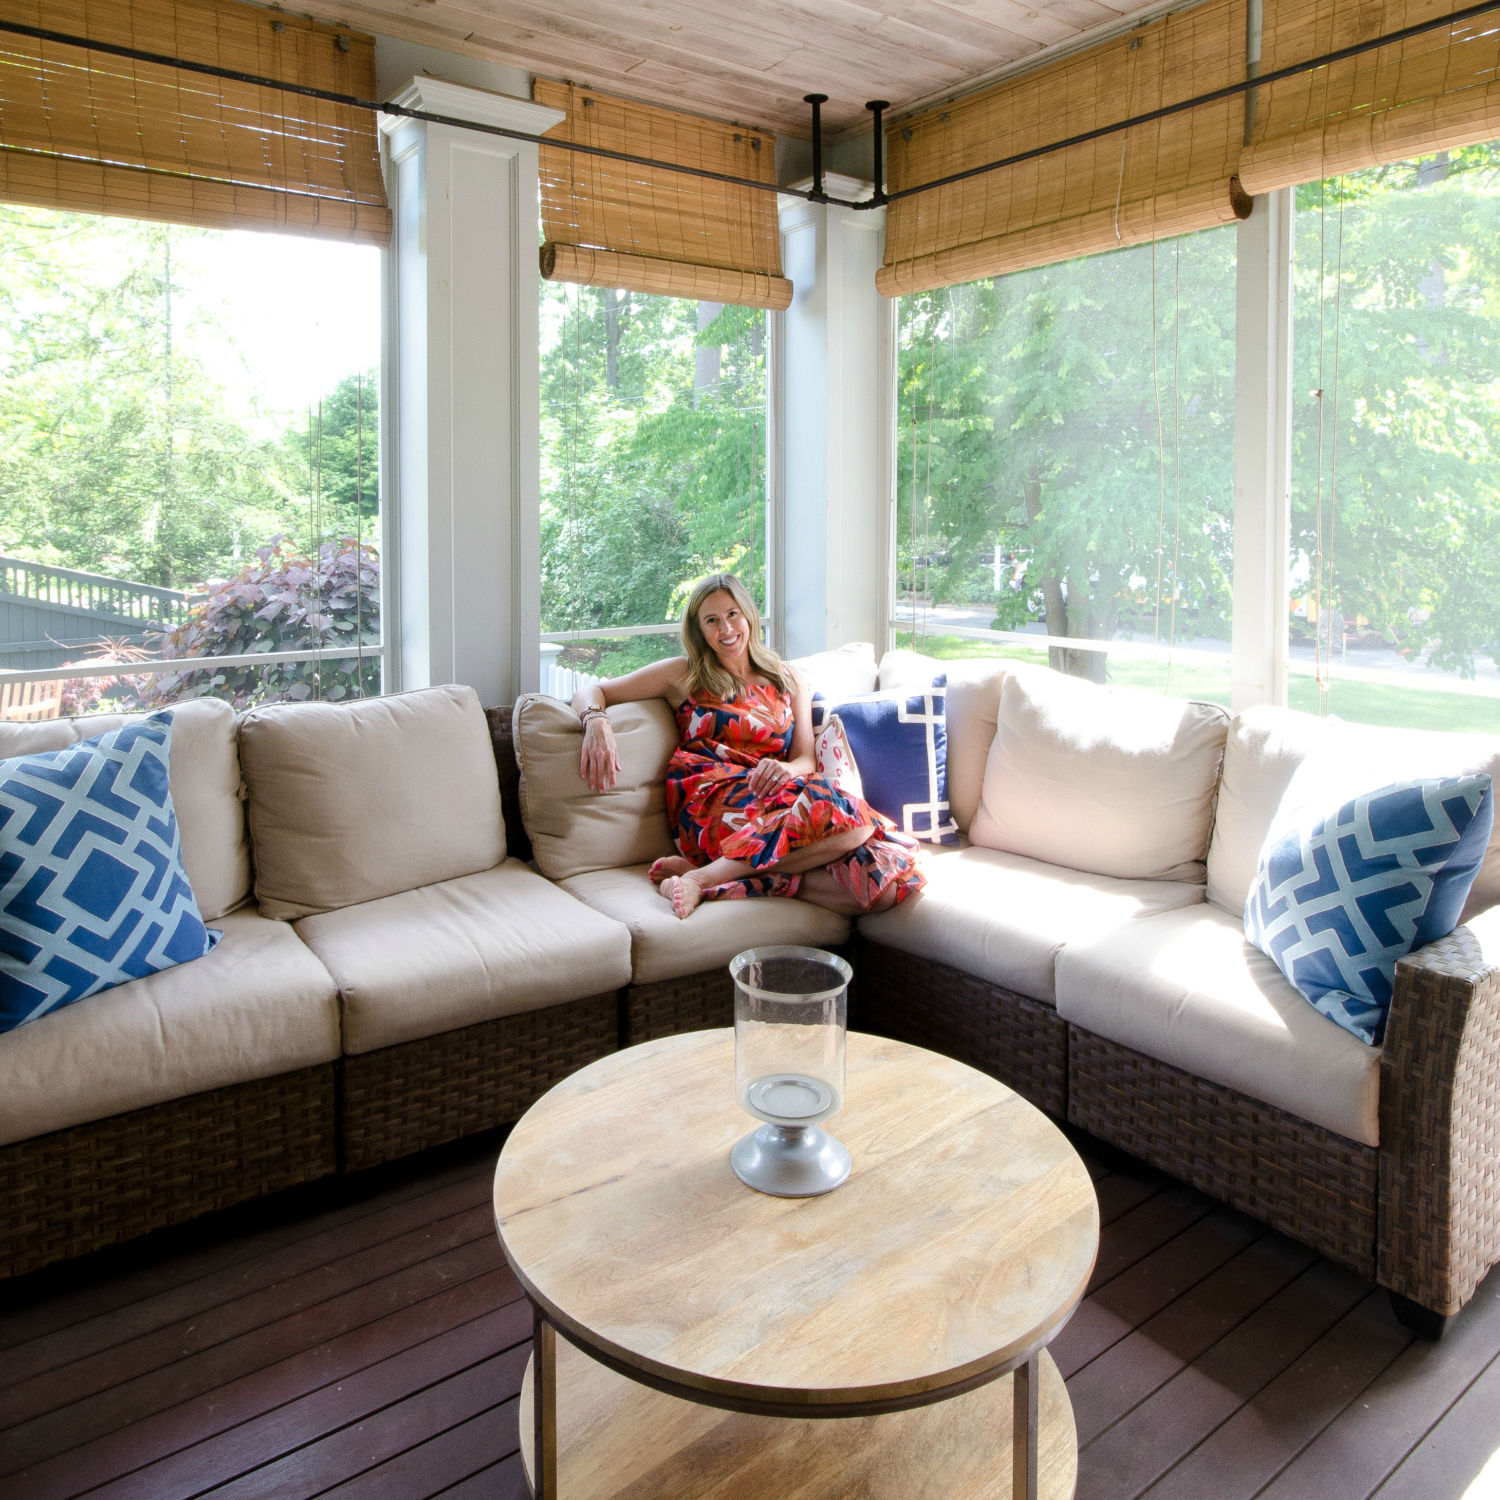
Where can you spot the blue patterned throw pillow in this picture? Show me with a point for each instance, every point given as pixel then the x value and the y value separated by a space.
pixel 1338 899
pixel 92 889
pixel 899 740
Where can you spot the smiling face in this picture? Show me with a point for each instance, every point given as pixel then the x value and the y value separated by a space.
pixel 725 628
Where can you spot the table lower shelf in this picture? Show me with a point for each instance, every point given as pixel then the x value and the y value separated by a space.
pixel 617 1440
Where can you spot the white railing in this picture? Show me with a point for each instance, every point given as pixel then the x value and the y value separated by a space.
pixel 563 682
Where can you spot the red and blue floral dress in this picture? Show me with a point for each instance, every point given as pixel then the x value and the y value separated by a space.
pixel 715 815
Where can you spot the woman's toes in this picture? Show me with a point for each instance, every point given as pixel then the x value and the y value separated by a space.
pixel 684 894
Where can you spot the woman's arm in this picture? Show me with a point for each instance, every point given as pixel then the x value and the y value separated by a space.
pixel 769 774
pixel 600 761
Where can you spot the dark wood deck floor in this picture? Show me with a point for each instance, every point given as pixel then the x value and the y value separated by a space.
pixel 367 1341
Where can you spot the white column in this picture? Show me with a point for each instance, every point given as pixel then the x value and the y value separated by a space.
pixel 1262 451
pixel 832 387
pixel 460 405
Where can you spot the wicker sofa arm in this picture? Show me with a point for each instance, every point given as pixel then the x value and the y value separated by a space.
pixel 1440 1119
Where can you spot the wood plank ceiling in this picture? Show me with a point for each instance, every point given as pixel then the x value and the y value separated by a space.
pixel 751 63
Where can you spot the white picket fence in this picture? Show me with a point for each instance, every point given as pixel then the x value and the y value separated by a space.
pixel 563 682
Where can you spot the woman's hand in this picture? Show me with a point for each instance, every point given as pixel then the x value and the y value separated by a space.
pixel 600 762
pixel 768 775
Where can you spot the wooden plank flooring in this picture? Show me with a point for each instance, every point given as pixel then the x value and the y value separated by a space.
pixel 365 1341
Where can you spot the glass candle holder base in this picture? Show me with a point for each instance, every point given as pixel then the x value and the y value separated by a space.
pixel 790 1161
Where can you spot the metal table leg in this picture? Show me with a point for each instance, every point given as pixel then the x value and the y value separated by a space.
pixel 1026 1384
pixel 544 1406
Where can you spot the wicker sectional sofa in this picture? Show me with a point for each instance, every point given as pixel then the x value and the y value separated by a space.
pixel 441 922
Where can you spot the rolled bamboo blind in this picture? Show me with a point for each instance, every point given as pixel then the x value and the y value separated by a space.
pixel 85 131
pixel 610 223
pixel 1169 177
pixel 1435 92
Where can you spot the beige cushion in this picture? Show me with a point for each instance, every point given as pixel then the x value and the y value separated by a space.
pixel 258 1005
pixel 1187 989
pixel 351 802
pixel 1005 918
pixel 574 828
pixel 973 701
pixel 463 951
pixel 1267 745
pixel 1111 781
pixel 663 946
pixel 840 672
pixel 205 781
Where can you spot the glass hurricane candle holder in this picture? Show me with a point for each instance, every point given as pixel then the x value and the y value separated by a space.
pixel 791 1016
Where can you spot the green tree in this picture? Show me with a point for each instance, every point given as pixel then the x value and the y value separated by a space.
pixel 331 461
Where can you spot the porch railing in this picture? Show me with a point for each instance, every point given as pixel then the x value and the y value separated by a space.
pixel 93 593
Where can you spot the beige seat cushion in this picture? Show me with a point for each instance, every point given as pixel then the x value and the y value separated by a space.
pixel 1187 989
pixel 352 802
pixel 1265 748
pixel 666 947
pixel 1112 781
pixel 973 700
pixel 1004 918
pixel 573 828
pixel 462 951
pixel 205 781
pixel 258 1005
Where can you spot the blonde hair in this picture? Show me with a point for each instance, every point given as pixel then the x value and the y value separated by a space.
pixel 707 676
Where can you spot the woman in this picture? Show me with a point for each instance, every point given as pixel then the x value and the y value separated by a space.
pixel 749 811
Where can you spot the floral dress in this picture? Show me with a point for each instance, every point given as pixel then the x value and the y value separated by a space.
pixel 715 815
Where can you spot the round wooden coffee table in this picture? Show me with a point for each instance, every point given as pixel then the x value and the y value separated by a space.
pixel 706 1326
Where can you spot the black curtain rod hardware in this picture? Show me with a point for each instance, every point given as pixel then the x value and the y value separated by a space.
pixel 329 96
pixel 878 107
pixel 817 101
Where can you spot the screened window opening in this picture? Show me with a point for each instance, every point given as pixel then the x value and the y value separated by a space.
pixel 1065 466
pixel 189 420
pixel 653 470
pixel 1395 563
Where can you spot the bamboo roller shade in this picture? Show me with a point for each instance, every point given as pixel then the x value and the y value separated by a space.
pixel 85 131
pixel 1433 93
pixel 610 223
pixel 1165 178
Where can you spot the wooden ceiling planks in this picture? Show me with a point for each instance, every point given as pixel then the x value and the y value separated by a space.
pixel 752 64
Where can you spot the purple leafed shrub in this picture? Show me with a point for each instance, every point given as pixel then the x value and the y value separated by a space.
pixel 283 601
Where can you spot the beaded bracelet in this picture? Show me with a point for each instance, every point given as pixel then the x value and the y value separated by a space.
pixel 592 713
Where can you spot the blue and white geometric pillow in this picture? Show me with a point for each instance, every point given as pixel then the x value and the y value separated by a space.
pixel 1338 899
pixel 899 740
pixel 92 889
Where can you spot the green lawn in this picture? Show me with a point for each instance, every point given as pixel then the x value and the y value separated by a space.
pixel 1361 702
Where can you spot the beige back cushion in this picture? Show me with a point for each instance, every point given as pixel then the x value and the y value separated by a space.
pixel 1108 781
pixel 841 672
pixel 205 782
pixel 350 802
pixel 1267 745
pixel 574 829
pixel 973 704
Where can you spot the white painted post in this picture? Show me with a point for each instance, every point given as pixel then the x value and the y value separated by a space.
pixel 462 393
pixel 1262 451
pixel 832 385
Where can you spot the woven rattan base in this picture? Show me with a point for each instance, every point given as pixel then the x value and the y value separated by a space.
pixel 1297 1177
pixel 1020 1041
pixel 404 1099
pixel 695 1002
pixel 78 1190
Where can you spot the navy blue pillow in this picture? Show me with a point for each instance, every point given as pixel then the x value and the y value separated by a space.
pixel 899 740
pixel 92 888
pixel 1339 897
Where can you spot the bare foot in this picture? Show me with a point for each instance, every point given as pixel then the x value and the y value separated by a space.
pixel 672 864
pixel 684 894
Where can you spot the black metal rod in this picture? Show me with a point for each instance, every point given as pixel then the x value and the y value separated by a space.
pixel 878 107
pixel 817 101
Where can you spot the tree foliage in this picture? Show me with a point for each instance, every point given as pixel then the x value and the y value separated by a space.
pixel 653 436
